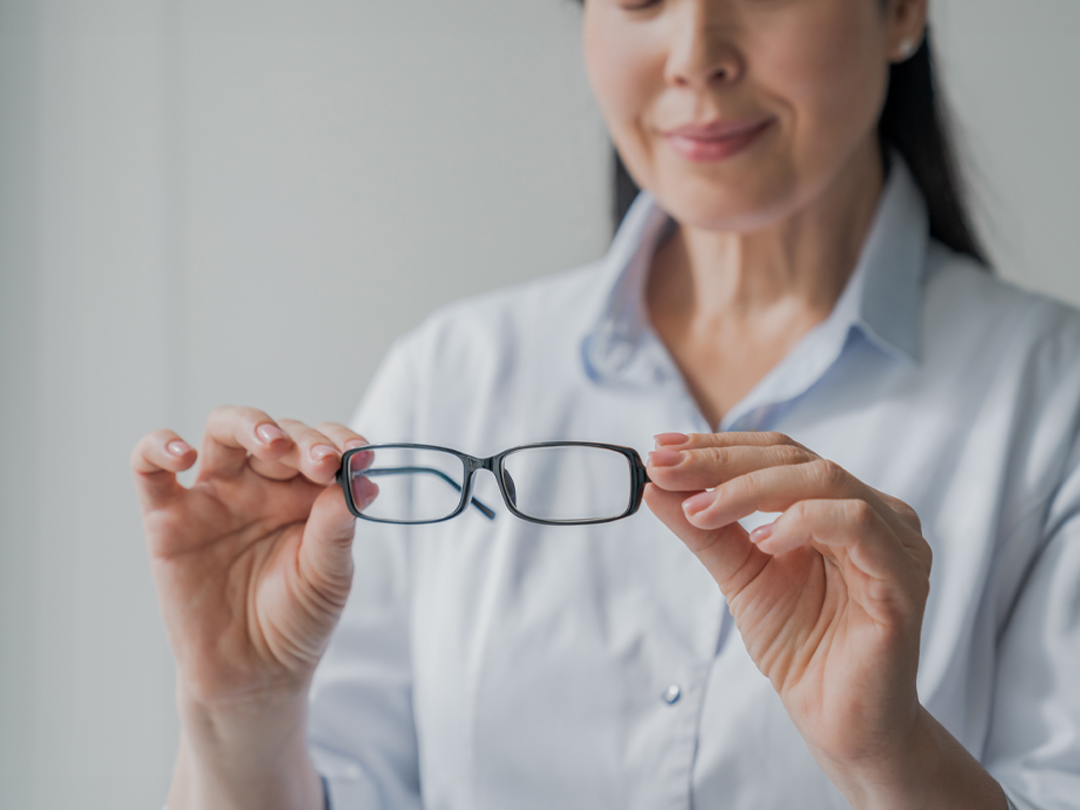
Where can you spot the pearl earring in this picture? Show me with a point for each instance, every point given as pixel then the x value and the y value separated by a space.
pixel 907 49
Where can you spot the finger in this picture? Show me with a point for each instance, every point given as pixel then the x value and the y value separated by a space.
pixel 344 437
pixel 326 550
pixel 690 469
pixel 876 564
pixel 775 489
pixel 902 510
pixel 726 552
pixel 311 453
pixel 234 432
pixel 748 438
pixel 155 461
pixel 348 439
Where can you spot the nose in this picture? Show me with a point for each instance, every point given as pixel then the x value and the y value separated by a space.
pixel 703 51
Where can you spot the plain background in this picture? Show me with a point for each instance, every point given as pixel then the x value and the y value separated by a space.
pixel 213 201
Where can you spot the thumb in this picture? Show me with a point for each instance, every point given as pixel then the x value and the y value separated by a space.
pixel 727 552
pixel 326 549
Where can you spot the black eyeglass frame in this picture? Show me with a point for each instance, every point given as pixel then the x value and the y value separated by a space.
pixel 495 465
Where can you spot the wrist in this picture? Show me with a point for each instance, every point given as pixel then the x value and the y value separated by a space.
pixel 925 766
pixel 249 753
pixel 894 776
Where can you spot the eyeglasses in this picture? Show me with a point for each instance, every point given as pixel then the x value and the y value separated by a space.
pixel 553 483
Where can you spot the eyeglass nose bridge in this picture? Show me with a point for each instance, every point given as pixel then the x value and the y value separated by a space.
pixel 493 464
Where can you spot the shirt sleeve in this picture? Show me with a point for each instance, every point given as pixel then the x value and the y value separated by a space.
pixel 1033 747
pixel 361 733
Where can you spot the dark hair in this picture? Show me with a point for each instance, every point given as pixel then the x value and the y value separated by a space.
pixel 915 124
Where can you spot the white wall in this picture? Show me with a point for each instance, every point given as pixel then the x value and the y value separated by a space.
pixel 208 201
pixel 1012 71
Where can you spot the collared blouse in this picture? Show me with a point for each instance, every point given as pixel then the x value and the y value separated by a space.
pixel 496 664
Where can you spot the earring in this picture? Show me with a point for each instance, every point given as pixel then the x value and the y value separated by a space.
pixel 907 49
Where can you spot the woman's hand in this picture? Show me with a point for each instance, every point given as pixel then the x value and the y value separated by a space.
pixel 253 565
pixel 829 598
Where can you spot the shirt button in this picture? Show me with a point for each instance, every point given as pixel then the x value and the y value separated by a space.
pixel 672 694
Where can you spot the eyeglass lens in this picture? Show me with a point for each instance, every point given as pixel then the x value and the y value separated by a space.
pixel 570 482
pixel 415 485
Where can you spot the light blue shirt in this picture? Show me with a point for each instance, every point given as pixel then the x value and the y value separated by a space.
pixel 500 664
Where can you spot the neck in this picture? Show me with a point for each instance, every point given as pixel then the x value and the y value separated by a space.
pixel 797 266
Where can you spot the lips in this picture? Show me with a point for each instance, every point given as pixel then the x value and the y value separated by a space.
pixel 715 140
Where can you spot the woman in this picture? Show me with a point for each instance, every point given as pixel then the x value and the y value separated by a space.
pixel 798 297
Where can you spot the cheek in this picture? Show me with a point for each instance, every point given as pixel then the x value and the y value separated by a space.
pixel 625 65
pixel 830 74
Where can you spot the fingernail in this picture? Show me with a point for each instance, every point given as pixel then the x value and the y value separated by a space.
pixel 663 439
pixel 321 452
pixel 352 445
pixel 268 433
pixel 665 458
pixel 698 503
pixel 761 533
pixel 178 447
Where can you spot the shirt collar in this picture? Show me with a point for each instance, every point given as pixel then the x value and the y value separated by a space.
pixel 881 299
pixel 611 349
pixel 888 280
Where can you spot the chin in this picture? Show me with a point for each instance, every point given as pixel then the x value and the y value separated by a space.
pixel 729 207
pixel 746 193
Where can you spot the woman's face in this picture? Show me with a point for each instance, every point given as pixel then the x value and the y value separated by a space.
pixel 737 113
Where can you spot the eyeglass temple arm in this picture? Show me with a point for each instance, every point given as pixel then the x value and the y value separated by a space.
pixel 485 510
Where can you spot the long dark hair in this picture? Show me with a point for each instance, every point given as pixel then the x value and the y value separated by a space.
pixel 915 124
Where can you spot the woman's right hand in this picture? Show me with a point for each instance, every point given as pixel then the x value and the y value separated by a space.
pixel 253 562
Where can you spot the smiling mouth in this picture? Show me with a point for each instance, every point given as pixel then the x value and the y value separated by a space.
pixel 715 141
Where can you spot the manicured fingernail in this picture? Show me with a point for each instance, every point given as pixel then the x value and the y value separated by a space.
pixel 761 533
pixel 268 433
pixel 352 445
pixel 178 447
pixel 665 458
pixel 663 439
pixel 698 503
pixel 321 452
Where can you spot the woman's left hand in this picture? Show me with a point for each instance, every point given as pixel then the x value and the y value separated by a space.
pixel 828 599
